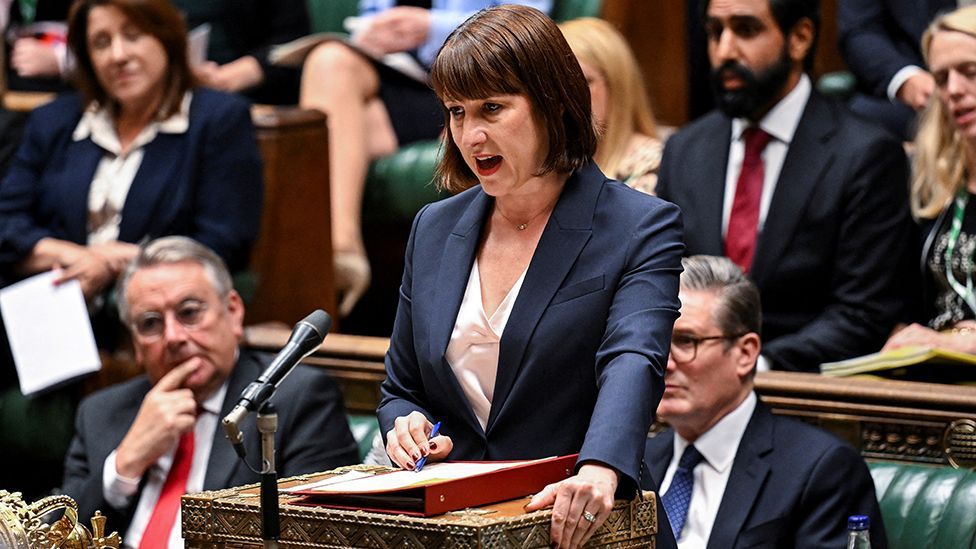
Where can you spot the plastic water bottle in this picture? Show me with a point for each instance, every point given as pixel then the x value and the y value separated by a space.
pixel 858 532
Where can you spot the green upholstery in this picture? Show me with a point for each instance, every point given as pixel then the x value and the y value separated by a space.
pixel 400 184
pixel 364 427
pixel 327 15
pixel 926 507
pixel 840 84
pixel 564 10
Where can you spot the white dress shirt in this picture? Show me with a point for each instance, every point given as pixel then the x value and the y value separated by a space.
pixel 472 351
pixel 119 490
pixel 116 171
pixel 780 122
pixel 718 446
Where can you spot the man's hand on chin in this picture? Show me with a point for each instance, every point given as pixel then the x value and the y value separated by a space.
pixel 168 411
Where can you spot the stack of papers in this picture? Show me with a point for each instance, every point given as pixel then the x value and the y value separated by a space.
pixel 912 363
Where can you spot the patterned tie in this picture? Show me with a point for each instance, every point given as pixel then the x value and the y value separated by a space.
pixel 740 236
pixel 163 517
pixel 678 496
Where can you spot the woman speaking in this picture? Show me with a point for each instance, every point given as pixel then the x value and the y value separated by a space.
pixel 536 306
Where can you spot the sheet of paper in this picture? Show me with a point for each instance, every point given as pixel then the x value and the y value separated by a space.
pixel 434 472
pixel 198 40
pixel 49 331
pixel 345 477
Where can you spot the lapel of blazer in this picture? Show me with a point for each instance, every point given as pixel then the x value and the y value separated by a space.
pixel 452 279
pixel 223 462
pixel 808 156
pixel 156 174
pixel 658 454
pixel 74 197
pixel 746 480
pixel 710 189
pixel 568 230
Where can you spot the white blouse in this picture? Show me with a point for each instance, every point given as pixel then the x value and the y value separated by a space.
pixel 116 171
pixel 472 350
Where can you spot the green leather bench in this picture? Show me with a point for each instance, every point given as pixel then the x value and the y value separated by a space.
pixel 926 507
pixel 364 427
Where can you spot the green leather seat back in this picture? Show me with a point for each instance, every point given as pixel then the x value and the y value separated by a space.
pixel 328 15
pixel 364 427
pixel 402 183
pixel 926 507
pixel 563 10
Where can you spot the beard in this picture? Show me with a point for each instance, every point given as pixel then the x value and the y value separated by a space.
pixel 758 90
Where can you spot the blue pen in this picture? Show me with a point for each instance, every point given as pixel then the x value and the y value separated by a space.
pixel 423 460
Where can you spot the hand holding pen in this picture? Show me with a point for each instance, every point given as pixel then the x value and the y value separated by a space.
pixel 414 438
pixel 423 460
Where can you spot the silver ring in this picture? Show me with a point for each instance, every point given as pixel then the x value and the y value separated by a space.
pixel 589 517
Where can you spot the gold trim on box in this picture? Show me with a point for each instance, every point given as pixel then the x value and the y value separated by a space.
pixel 230 519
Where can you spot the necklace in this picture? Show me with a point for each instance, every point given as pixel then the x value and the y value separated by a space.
pixel 525 225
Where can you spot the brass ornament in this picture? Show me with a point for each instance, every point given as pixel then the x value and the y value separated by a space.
pixel 22 525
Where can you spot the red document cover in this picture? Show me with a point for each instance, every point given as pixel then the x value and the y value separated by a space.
pixel 434 496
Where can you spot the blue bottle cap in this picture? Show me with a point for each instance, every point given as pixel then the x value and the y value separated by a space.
pixel 858 522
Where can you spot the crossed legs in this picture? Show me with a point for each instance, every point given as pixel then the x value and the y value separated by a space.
pixel 345 86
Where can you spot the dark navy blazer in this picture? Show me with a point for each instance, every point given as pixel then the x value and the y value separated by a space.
pixel 582 358
pixel 206 183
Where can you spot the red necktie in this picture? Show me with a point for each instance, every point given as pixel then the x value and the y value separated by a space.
pixel 740 236
pixel 163 517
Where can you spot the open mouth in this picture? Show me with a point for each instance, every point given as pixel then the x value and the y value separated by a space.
pixel 488 165
pixel 963 116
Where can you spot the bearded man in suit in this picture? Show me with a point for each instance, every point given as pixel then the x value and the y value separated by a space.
pixel 810 200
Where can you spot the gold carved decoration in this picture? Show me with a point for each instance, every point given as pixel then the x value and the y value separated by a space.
pixel 960 443
pixel 22 525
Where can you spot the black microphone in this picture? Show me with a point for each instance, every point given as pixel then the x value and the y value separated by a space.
pixel 305 338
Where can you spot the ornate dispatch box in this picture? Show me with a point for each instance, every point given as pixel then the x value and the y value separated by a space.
pixel 231 519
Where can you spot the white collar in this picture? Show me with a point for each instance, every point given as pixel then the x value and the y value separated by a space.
pixel 782 120
pixel 98 124
pixel 719 444
pixel 215 401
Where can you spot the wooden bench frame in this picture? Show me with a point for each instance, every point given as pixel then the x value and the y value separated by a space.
pixel 888 420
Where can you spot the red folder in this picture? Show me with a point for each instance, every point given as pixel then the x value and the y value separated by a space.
pixel 442 496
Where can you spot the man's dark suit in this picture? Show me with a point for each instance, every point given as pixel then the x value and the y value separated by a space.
pixel 828 256
pixel 878 38
pixel 791 485
pixel 313 434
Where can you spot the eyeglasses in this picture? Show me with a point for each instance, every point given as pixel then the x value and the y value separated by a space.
pixel 149 326
pixel 684 347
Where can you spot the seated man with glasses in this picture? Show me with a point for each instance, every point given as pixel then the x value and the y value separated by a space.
pixel 140 445
pixel 731 473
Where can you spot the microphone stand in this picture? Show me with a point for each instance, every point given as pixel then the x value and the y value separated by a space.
pixel 267 421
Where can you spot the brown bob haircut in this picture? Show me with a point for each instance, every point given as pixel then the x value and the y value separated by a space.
pixel 156 17
pixel 513 49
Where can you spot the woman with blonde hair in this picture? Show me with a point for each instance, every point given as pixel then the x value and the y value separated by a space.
pixel 944 187
pixel 629 148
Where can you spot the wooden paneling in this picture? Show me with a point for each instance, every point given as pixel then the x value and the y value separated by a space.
pixel 293 255
pixel 888 420
pixel 656 31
